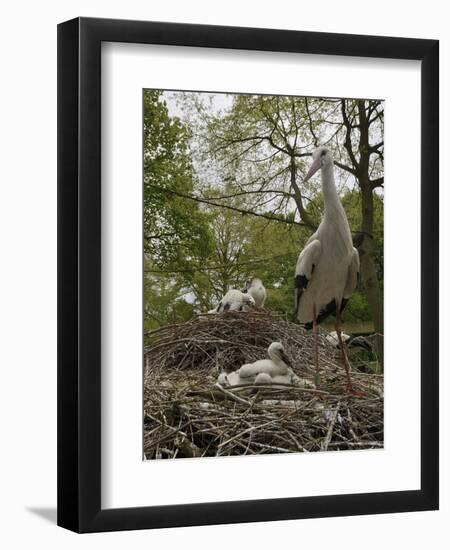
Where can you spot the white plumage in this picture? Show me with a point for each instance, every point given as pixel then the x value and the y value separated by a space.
pixel 265 371
pixel 349 340
pixel 235 300
pixel 257 290
pixel 276 365
pixel 222 380
pixel 327 269
pixel 263 378
pixel 333 340
pixel 233 379
pixel 273 372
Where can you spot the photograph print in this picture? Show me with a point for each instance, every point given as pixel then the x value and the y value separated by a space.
pixel 263 274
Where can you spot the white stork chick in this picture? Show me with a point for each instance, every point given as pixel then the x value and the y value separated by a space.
pixel 257 291
pixel 350 341
pixel 292 379
pixel 266 372
pixel 327 268
pixel 282 379
pixel 223 379
pixel 263 378
pixel 235 300
pixel 277 364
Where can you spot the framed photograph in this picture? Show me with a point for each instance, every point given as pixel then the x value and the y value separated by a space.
pixel 247 276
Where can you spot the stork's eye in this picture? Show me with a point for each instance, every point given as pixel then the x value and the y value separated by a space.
pixel 323 153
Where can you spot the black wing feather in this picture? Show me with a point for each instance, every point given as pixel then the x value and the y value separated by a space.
pixel 359 342
pixel 330 309
pixel 301 282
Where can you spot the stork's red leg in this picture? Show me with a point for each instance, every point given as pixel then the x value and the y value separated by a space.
pixel 316 348
pixel 342 347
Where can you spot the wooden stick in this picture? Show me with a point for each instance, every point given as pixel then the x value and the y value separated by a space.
pixel 326 441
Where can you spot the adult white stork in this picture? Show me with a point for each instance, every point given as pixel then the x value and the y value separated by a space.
pixel 327 268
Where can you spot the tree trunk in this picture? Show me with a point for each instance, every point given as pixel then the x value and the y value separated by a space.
pixel 368 269
pixel 298 195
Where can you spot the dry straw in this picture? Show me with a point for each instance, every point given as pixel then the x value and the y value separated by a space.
pixel 187 414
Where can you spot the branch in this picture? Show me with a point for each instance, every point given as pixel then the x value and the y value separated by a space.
pixel 294 121
pixel 348 141
pixel 298 195
pixel 380 114
pixel 219 267
pixel 254 192
pixel 275 128
pixel 300 155
pixel 160 236
pixel 378 182
pixel 316 141
pixel 345 167
pixel 228 207
pixel 372 105
pixel 375 148
pixel 281 149
pixel 228 142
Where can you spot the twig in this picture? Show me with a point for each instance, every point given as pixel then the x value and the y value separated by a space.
pixel 326 441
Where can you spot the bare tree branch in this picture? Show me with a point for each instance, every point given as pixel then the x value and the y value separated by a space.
pixel 311 129
pixel 229 207
pixel 348 139
pixel 378 182
pixel 345 167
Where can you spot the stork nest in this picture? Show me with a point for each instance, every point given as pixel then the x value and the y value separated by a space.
pixel 187 414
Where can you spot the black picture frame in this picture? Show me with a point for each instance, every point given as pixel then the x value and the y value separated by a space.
pixel 79 274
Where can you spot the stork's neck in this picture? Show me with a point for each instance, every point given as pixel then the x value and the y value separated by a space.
pixel 331 198
pixel 276 358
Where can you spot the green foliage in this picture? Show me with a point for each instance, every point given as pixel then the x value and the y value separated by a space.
pixel 357 308
pixel 173 226
pixel 175 229
pixel 352 204
pixel 274 249
pixel 163 303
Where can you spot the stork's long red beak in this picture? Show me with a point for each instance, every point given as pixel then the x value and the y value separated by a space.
pixel 312 169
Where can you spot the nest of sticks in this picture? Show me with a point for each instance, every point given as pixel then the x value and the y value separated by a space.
pixel 187 414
